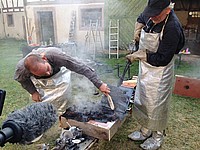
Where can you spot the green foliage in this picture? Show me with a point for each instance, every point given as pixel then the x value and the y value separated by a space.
pixel 16 97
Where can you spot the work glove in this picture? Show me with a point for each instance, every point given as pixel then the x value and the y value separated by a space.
pixel 138 55
pixel 137 31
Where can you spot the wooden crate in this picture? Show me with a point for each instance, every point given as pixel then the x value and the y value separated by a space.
pixel 99 130
pixel 186 86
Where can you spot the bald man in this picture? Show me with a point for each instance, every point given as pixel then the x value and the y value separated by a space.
pixel 45 73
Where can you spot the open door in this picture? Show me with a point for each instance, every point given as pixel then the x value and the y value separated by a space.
pixel 46 28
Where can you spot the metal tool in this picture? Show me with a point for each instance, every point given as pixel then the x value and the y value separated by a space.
pixel 69 139
pixel 110 101
pixel 121 78
pixel 128 63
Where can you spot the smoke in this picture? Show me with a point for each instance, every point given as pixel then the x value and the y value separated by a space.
pixel 83 92
pixel 85 96
pixel 191 64
pixel 193 69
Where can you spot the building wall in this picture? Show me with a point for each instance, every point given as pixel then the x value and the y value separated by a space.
pixel 62 19
pixel 183 17
pixel 126 11
pixel 17 30
pixel 15 9
pixel 1 27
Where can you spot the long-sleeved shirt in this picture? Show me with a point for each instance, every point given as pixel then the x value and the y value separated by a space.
pixel 172 41
pixel 57 59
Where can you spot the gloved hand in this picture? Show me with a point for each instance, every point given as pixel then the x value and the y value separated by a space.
pixel 138 55
pixel 137 31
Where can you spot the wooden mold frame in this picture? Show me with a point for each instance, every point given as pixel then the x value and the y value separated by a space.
pixel 99 130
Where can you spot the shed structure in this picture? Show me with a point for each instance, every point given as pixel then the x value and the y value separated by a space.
pixel 188 13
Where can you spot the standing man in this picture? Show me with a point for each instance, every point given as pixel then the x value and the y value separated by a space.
pixel 45 73
pixel 160 37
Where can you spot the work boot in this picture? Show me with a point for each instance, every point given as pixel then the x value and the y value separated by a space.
pixel 154 142
pixel 141 135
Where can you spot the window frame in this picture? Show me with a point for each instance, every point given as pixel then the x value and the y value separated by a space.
pixel 10 20
pixel 81 27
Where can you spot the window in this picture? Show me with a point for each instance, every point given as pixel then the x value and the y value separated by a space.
pixel 10 20
pixel 91 16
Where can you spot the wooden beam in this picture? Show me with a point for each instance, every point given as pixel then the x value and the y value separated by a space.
pixel 13 4
pixel 2 4
pixel 186 86
pixel 6 3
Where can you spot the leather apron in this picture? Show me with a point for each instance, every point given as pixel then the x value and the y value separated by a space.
pixel 154 87
pixel 56 89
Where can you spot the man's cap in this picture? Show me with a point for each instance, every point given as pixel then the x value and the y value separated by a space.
pixel 155 7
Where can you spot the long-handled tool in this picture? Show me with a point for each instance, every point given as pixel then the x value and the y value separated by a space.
pixel 128 63
pixel 121 78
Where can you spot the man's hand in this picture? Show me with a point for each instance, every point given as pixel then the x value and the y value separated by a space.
pixel 104 89
pixel 138 55
pixel 36 97
pixel 137 31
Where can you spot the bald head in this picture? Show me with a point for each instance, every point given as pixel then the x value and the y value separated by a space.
pixel 38 65
pixel 32 62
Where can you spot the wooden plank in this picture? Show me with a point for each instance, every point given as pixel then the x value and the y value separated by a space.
pixel 127 13
pixel 99 130
pixel 186 86
pixel 129 83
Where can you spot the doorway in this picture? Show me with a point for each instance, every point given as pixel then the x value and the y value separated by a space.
pixel 46 27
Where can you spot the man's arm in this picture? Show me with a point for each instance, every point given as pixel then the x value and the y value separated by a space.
pixel 23 77
pixel 28 85
pixel 59 59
